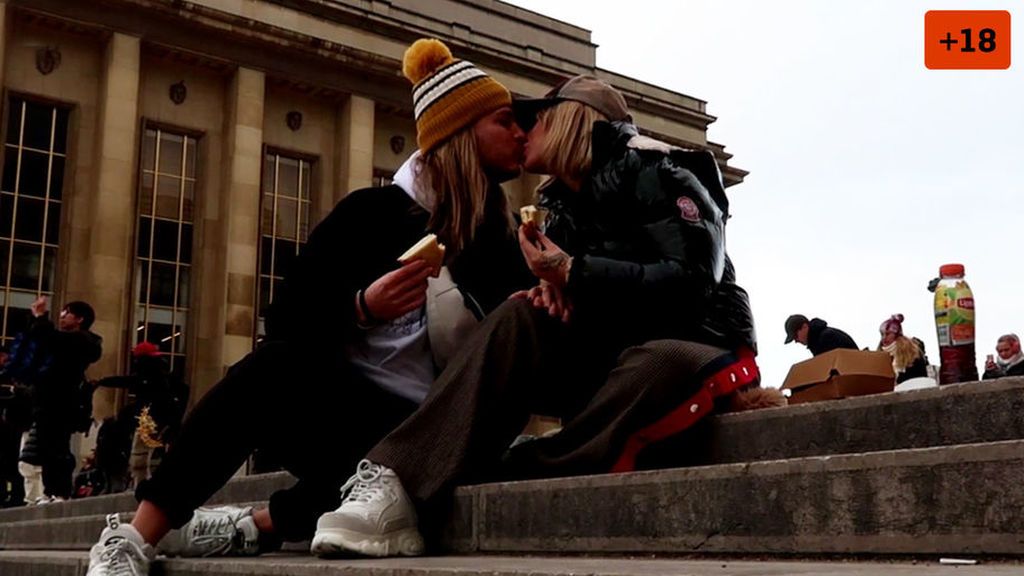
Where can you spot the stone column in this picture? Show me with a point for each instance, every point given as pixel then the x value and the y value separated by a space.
pixel 239 217
pixel 355 130
pixel 101 272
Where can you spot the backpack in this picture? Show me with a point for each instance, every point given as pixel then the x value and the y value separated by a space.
pixel 81 420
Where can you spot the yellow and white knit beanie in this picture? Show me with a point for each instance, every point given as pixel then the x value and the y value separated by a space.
pixel 448 94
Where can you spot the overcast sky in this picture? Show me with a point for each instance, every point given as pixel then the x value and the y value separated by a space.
pixel 867 170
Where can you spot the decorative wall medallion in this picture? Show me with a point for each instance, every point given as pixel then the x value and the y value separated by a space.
pixel 397 144
pixel 47 59
pixel 178 92
pixel 294 120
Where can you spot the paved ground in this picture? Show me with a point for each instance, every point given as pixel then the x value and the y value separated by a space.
pixel 14 563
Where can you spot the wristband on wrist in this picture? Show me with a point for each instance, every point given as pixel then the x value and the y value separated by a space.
pixel 365 309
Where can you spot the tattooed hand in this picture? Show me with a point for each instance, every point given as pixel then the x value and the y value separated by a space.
pixel 547 297
pixel 545 259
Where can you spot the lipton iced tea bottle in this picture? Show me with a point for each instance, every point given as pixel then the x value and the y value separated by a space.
pixel 954 322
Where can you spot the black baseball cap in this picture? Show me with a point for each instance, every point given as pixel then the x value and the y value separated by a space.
pixel 584 88
pixel 793 325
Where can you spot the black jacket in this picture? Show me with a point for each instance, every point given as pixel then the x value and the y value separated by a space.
pixel 62 358
pixel 647 233
pixel 1013 370
pixel 30 449
pixel 822 338
pixel 919 369
pixel 360 241
pixel 151 385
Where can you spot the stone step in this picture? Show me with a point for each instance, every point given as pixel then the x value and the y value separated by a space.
pixel 952 415
pixel 255 488
pixel 74 564
pixel 964 499
pixel 968 413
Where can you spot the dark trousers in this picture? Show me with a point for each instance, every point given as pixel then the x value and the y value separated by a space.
pixel 315 416
pixel 55 459
pixel 521 361
pixel 12 488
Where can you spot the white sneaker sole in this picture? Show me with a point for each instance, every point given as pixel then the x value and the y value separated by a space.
pixel 339 542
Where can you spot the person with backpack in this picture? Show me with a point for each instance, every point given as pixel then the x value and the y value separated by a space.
pixel 52 365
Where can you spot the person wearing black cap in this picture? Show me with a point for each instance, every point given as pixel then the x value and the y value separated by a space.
pixel 635 331
pixel 816 334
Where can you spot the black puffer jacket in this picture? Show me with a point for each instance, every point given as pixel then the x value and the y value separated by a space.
pixel 647 234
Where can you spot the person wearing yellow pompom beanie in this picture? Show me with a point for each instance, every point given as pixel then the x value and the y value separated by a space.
pixel 347 355
pixel 632 334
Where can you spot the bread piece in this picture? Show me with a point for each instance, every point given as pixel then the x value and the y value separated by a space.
pixel 532 214
pixel 430 250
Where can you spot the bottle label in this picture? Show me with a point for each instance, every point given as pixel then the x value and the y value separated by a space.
pixel 954 314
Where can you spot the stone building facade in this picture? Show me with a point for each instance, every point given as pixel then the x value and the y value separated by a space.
pixel 164 159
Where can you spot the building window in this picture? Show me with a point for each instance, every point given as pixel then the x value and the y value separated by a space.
pixel 35 154
pixel 284 224
pixel 163 263
pixel 382 177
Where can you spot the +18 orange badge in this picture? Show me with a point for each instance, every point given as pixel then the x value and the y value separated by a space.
pixel 967 39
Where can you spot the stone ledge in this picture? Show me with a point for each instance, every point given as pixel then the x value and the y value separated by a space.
pixel 968 413
pixel 254 488
pixel 73 564
pixel 945 500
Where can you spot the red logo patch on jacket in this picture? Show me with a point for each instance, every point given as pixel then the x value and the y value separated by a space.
pixel 688 209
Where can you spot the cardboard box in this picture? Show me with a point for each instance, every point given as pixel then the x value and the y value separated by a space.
pixel 840 374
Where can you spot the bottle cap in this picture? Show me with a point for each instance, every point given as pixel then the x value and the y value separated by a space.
pixel 951 270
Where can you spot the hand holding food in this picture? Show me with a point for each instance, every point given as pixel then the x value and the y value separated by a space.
pixel 427 249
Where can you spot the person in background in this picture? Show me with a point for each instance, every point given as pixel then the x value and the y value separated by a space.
pixel 1009 360
pixel 62 354
pixel 908 358
pixel 14 420
pixel 153 414
pixel 816 334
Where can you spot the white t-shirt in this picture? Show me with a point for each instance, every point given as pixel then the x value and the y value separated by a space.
pixel 396 356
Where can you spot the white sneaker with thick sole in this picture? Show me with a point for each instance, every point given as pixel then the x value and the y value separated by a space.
pixel 121 551
pixel 376 518
pixel 214 531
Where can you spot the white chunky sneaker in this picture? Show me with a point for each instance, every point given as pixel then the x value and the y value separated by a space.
pixel 219 531
pixel 121 551
pixel 376 518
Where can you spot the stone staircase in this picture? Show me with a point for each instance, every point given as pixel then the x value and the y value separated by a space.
pixel 907 476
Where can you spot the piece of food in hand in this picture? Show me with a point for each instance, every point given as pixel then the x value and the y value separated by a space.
pixel 532 214
pixel 430 250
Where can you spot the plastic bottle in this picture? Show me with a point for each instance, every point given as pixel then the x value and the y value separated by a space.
pixel 954 322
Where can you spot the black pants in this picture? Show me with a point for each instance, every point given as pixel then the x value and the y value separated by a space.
pixel 521 361
pixel 315 416
pixel 12 488
pixel 55 458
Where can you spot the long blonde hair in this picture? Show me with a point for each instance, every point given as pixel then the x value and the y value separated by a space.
pixel 462 191
pixel 568 126
pixel 904 353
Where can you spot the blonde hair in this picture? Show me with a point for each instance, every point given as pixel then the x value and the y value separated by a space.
pixel 905 353
pixel 462 191
pixel 569 126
